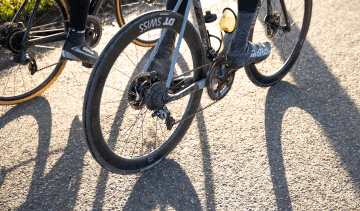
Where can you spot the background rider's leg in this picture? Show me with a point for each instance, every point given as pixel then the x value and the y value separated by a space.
pixel 75 47
pixel 78 14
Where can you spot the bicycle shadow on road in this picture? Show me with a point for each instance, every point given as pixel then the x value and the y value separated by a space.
pixel 165 185
pixel 59 187
pixel 320 95
pixel 43 120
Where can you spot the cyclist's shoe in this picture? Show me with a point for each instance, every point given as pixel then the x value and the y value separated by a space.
pixel 252 54
pixel 163 57
pixel 242 52
pixel 77 48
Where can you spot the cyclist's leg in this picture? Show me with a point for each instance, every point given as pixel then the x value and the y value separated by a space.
pixel 76 47
pixel 172 3
pixel 242 52
pixel 163 58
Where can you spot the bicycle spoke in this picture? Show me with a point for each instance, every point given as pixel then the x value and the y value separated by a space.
pixel 131 128
pixel 122 72
pixel 130 60
pixel 289 40
pixel 142 133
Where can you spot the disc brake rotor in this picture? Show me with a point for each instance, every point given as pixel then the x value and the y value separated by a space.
pixel 137 90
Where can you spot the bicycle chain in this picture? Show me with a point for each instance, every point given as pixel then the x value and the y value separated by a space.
pixel 48 66
pixel 199 110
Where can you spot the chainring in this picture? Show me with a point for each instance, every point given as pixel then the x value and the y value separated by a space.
pixel 94 24
pixel 219 80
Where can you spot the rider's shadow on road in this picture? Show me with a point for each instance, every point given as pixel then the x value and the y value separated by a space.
pixel 320 95
pixel 59 187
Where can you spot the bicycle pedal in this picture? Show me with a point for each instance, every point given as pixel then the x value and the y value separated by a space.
pixel 87 65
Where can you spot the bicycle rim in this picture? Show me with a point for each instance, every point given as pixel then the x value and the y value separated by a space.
pixel 122 138
pixel 127 11
pixel 285 46
pixel 18 82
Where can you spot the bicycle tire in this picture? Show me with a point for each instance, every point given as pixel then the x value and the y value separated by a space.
pixel 281 59
pixel 99 87
pixel 22 94
pixel 123 16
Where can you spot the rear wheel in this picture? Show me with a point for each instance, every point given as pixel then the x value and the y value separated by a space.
pixel 121 133
pixel 285 45
pixel 127 10
pixel 22 82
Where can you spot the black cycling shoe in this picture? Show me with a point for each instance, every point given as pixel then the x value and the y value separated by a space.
pixel 77 48
pixel 242 52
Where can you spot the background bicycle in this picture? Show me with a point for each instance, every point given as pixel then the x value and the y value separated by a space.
pixel 24 80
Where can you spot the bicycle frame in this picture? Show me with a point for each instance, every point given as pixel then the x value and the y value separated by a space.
pixel 201 84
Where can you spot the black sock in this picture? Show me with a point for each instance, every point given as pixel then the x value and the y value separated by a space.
pixel 248 6
pixel 78 14
pixel 172 3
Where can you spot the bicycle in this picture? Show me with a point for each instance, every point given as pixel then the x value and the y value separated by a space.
pixel 27 50
pixel 132 120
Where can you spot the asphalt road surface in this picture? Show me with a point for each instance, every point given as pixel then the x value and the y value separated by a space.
pixel 294 146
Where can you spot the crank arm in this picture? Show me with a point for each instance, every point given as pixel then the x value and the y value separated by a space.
pixel 192 88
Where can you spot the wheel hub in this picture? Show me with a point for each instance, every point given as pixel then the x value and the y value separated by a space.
pixel 139 89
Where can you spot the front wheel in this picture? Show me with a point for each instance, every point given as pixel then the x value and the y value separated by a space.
pixel 285 45
pixel 120 131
